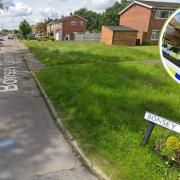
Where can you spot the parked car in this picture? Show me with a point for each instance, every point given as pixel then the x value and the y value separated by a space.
pixel 1 38
pixel 10 36
pixel 31 36
pixel 38 36
pixel 175 53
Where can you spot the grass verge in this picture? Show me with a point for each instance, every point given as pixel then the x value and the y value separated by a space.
pixel 102 102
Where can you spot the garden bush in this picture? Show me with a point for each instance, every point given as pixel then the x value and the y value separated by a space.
pixel 170 149
pixel 147 43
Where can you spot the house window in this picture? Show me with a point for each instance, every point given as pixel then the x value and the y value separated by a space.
pixel 163 14
pixel 81 23
pixel 73 23
pixel 170 13
pixel 155 35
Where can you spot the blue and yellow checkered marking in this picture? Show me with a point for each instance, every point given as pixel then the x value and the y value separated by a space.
pixel 177 76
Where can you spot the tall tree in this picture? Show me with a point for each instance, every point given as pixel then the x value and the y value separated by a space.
pixel 25 28
pixel 111 16
pixel 93 18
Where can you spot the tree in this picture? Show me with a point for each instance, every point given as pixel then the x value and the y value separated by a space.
pixel 16 31
pixel 25 28
pixel 93 18
pixel 109 17
pixel 1 4
pixel 40 27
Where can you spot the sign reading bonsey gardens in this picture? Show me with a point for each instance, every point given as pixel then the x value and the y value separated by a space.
pixel 8 78
pixel 162 122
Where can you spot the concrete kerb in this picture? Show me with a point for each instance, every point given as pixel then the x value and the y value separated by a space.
pixel 95 170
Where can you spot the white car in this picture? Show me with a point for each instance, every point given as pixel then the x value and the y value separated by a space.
pixel 10 36
pixel 38 35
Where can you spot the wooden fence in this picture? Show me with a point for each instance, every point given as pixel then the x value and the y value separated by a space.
pixel 94 37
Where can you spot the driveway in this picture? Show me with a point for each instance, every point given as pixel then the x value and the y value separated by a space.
pixel 31 146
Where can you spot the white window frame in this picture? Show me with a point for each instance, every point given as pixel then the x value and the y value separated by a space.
pixel 170 13
pixel 158 14
pixel 73 23
pixel 154 32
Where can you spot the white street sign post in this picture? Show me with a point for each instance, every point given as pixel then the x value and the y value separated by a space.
pixel 155 119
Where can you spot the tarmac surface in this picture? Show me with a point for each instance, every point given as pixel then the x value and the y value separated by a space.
pixel 31 146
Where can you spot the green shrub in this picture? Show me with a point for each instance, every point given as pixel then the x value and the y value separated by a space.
pixel 147 43
pixel 51 38
pixel 42 38
pixel 51 34
pixel 170 149
pixel 45 38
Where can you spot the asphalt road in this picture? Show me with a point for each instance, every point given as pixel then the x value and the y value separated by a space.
pixel 31 146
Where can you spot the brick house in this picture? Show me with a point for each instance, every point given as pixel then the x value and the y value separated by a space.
pixel 44 30
pixel 145 17
pixel 64 28
pixel 148 17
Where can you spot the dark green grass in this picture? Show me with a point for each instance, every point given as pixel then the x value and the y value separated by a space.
pixel 103 105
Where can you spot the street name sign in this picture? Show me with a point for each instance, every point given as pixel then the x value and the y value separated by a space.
pixel 162 122
pixel 155 119
pixel 8 74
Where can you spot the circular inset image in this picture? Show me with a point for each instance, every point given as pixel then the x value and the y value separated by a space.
pixel 170 46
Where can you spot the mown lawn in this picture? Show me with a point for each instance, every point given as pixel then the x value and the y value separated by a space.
pixel 102 97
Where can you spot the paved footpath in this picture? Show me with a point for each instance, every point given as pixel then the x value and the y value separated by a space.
pixel 31 146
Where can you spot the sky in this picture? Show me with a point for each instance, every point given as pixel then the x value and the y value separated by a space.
pixel 38 10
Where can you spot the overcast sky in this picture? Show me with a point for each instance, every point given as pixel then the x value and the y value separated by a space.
pixel 37 10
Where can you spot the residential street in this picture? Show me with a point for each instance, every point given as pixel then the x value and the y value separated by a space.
pixel 31 146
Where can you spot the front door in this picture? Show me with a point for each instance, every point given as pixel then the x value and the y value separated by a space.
pixel 57 36
pixel 138 42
